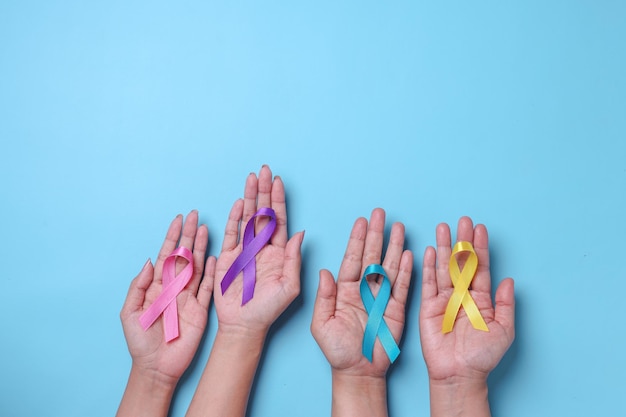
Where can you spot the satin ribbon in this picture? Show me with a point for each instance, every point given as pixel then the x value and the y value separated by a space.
pixel 375 307
pixel 245 261
pixel 461 296
pixel 165 303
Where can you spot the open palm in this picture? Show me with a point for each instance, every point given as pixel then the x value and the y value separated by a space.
pixel 277 264
pixel 149 350
pixel 465 352
pixel 339 318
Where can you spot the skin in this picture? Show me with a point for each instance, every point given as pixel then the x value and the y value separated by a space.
pixel 459 362
pixel 225 384
pixel 339 318
pixel 156 365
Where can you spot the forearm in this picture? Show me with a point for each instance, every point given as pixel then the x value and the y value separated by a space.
pixel 359 396
pixel 225 384
pixel 146 395
pixel 459 398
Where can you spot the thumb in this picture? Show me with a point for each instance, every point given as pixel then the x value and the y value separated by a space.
pixel 325 301
pixel 293 261
pixel 505 306
pixel 137 291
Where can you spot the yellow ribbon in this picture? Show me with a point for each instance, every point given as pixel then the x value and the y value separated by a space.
pixel 461 281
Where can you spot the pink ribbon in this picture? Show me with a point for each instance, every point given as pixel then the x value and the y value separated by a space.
pixel 165 303
pixel 246 260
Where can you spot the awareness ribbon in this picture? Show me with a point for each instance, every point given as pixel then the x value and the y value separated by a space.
pixel 461 281
pixel 375 307
pixel 165 303
pixel 245 261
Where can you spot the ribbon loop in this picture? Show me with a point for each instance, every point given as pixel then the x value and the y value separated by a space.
pixel 165 303
pixel 375 307
pixel 461 281
pixel 251 246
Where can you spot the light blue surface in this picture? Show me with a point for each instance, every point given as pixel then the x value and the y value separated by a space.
pixel 116 116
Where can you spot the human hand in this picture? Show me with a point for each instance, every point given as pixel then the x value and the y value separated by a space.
pixel 225 384
pixel 339 318
pixel 277 264
pixel 152 356
pixel 465 354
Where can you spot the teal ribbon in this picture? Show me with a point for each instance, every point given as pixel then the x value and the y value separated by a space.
pixel 375 307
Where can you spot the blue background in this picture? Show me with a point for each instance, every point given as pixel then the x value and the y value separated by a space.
pixel 115 116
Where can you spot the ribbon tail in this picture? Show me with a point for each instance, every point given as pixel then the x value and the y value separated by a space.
pixel 473 313
pixel 249 281
pixel 170 321
pixel 389 343
pixel 371 327
pixel 369 339
pixel 452 309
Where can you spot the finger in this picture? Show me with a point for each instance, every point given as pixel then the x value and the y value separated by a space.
pixel 199 251
pixel 373 251
pixel 465 230
pixel 482 280
pixel 429 275
pixel 206 286
pixel 464 233
pixel 279 238
pixel 443 256
pixel 189 230
pixel 505 307
pixel 325 302
pixel 137 290
pixel 264 196
pixel 249 198
pixel 350 269
pixel 231 232
pixel 293 261
pixel 400 289
pixel 169 244
pixel 188 237
pixel 391 263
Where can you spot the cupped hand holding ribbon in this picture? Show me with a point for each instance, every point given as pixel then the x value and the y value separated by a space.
pixel 466 351
pixel 149 349
pixel 248 301
pixel 254 302
pixel 340 318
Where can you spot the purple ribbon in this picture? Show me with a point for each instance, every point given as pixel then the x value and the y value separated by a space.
pixel 246 260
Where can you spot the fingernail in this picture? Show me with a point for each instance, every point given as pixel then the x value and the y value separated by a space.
pixel 148 262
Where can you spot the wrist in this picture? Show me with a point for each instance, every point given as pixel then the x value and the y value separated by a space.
pixel 367 382
pixel 459 396
pixel 471 379
pixel 241 334
pixel 238 344
pixel 356 395
pixel 227 378
pixel 156 380
pixel 147 394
